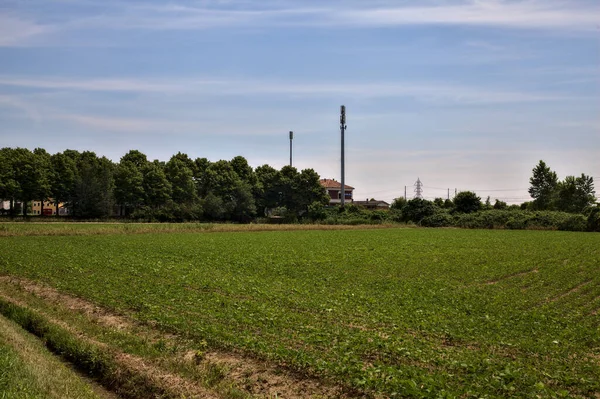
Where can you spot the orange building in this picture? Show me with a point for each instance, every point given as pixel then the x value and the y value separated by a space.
pixel 334 189
pixel 49 208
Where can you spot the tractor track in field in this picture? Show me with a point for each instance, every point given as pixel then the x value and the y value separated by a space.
pixel 253 376
pixel 512 275
pixel 570 291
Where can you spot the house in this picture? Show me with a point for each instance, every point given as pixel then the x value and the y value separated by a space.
pixel 5 207
pixel 334 189
pixel 373 204
pixel 49 208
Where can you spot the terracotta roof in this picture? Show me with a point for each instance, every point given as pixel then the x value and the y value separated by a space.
pixel 330 183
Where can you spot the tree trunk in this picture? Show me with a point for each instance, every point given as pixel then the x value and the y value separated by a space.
pixel 42 208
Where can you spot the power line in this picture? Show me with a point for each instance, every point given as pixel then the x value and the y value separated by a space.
pixel 480 189
pixel 445 189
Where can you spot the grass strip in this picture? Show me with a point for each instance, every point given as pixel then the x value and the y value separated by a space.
pixel 94 360
pixel 28 369
pixel 226 374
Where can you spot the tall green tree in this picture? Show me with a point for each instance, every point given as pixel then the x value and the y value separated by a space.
pixel 574 194
pixel 136 158
pixel 186 160
pixel 242 207
pixel 181 176
pixel 543 185
pixel 310 189
pixel 44 164
pixel 267 193
pixel 467 202
pixel 233 193
pixel 200 176
pixel 129 187
pixel 9 185
pixel 157 189
pixel 288 189
pixel 64 178
pixel 32 175
pixel 93 197
pixel 243 170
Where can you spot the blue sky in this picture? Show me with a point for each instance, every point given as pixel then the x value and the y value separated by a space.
pixel 462 94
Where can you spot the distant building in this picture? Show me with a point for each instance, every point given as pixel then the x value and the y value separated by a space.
pixel 372 204
pixel 49 208
pixel 5 206
pixel 334 189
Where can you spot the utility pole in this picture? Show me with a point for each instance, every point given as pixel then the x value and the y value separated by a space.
pixel 448 193
pixel 291 138
pixel 405 192
pixel 418 189
pixel 343 130
pixel 455 192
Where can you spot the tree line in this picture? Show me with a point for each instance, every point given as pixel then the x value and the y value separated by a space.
pixel 573 194
pixel 180 189
pixel 564 205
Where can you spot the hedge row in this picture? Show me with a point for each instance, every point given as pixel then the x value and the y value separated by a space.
pixel 432 216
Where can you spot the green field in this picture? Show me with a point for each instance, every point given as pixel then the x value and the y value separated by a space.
pixel 400 312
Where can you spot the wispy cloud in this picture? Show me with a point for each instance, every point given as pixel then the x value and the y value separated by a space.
pixel 524 14
pixel 425 91
pixel 27 22
pixel 18 31
pixel 26 108
pixel 533 14
pixel 162 125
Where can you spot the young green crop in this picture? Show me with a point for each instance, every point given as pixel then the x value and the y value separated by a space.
pixel 404 312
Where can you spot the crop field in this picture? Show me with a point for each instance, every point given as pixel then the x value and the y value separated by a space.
pixel 393 312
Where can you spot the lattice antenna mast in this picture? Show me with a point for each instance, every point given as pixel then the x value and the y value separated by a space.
pixel 418 189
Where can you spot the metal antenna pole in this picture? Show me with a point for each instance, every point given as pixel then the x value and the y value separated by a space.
pixel 343 130
pixel 291 138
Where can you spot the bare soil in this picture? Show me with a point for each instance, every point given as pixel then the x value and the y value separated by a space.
pixel 254 376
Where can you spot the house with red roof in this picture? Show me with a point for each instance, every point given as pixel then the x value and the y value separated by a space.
pixel 334 189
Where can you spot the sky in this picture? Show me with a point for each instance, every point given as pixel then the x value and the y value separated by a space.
pixel 464 95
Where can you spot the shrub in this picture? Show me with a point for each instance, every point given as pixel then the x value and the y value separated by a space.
pixel 500 204
pixel 466 221
pixel 398 203
pixel 593 220
pixel 353 209
pixel 516 222
pixel 316 211
pixel 440 219
pixel 378 215
pixel 573 223
pixel 417 209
